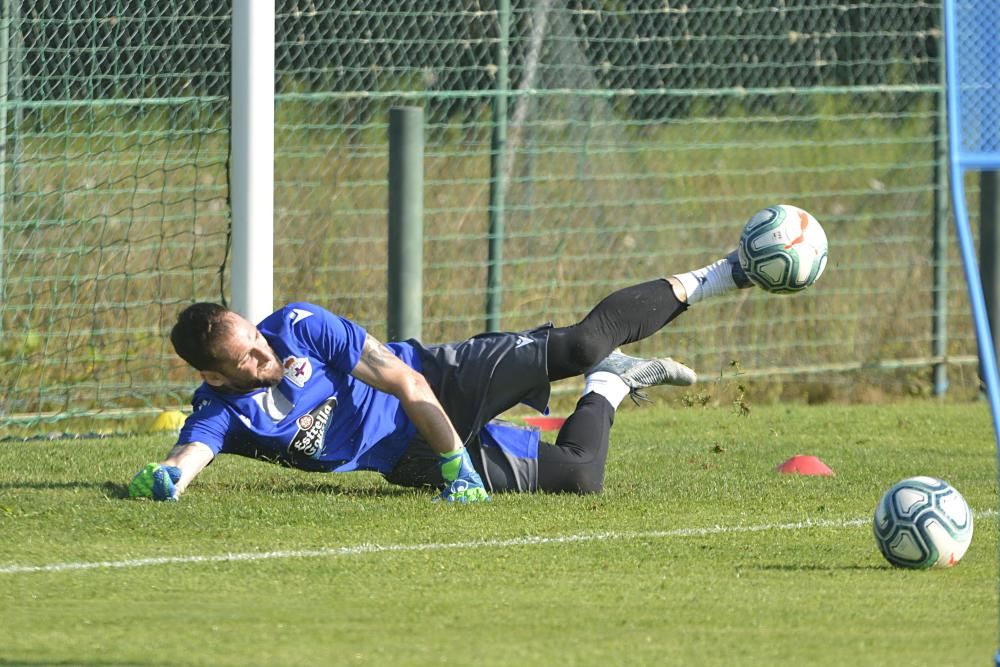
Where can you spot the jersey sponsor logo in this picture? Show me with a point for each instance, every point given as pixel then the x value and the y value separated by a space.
pixel 298 370
pixel 297 315
pixel 311 432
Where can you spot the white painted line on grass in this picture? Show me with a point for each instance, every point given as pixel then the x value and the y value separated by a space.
pixel 328 552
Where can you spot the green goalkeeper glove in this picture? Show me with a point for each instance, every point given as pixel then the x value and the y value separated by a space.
pixel 155 481
pixel 464 483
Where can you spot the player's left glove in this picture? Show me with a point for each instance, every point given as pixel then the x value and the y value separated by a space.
pixel 464 483
pixel 155 481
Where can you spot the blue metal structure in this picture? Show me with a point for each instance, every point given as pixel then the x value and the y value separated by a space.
pixel 972 37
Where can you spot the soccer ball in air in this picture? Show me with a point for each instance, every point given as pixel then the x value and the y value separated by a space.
pixel 782 249
pixel 922 522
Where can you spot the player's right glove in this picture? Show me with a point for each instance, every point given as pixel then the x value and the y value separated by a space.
pixel 464 483
pixel 155 481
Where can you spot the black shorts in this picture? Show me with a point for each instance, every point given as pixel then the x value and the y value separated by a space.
pixel 475 381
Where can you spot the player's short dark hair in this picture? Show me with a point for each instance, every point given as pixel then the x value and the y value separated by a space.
pixel 197 332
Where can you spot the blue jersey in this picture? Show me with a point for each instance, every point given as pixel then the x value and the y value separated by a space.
pixel 319 417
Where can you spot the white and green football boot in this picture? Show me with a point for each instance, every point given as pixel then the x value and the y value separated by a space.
pixel 639 374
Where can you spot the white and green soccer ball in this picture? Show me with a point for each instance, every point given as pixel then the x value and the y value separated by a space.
pixel 783 249
pixel 922 522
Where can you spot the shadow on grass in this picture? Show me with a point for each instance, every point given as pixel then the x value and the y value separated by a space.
pixel 332 489
pixel 4 662
pixel 111 489
pixel 819 568
pixel 118 490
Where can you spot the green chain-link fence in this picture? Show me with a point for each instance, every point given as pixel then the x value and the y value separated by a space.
pixel 639 137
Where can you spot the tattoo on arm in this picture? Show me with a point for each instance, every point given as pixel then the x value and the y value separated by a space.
pixel 177 450
pixel 376 354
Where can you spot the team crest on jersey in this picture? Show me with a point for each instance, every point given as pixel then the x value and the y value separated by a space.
pixel 312 426
pixel 297 370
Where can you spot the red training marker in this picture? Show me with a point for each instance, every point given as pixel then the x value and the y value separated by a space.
pixel 805 465
pixel 546 423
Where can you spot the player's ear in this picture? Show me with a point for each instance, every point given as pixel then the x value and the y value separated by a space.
pixel 213 378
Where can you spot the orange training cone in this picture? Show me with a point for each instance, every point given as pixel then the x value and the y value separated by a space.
pixel 804 465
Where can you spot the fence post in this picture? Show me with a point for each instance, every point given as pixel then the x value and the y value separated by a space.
pixel 939 249
pixel 989 247
pixel 498 145
pixel 4 60
pixel 252 186
pixel 406 225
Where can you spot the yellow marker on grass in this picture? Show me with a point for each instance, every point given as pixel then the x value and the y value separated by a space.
pixel 168 420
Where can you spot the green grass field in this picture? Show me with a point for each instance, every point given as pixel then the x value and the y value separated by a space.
pixel 698 553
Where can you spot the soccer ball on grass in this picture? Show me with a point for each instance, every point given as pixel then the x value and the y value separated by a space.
pixel 922 522
pixel 782 249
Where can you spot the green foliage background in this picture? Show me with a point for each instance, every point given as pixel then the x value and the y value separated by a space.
pixel 640 137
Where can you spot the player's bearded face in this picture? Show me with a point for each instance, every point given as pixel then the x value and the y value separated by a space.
pixel 247 360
